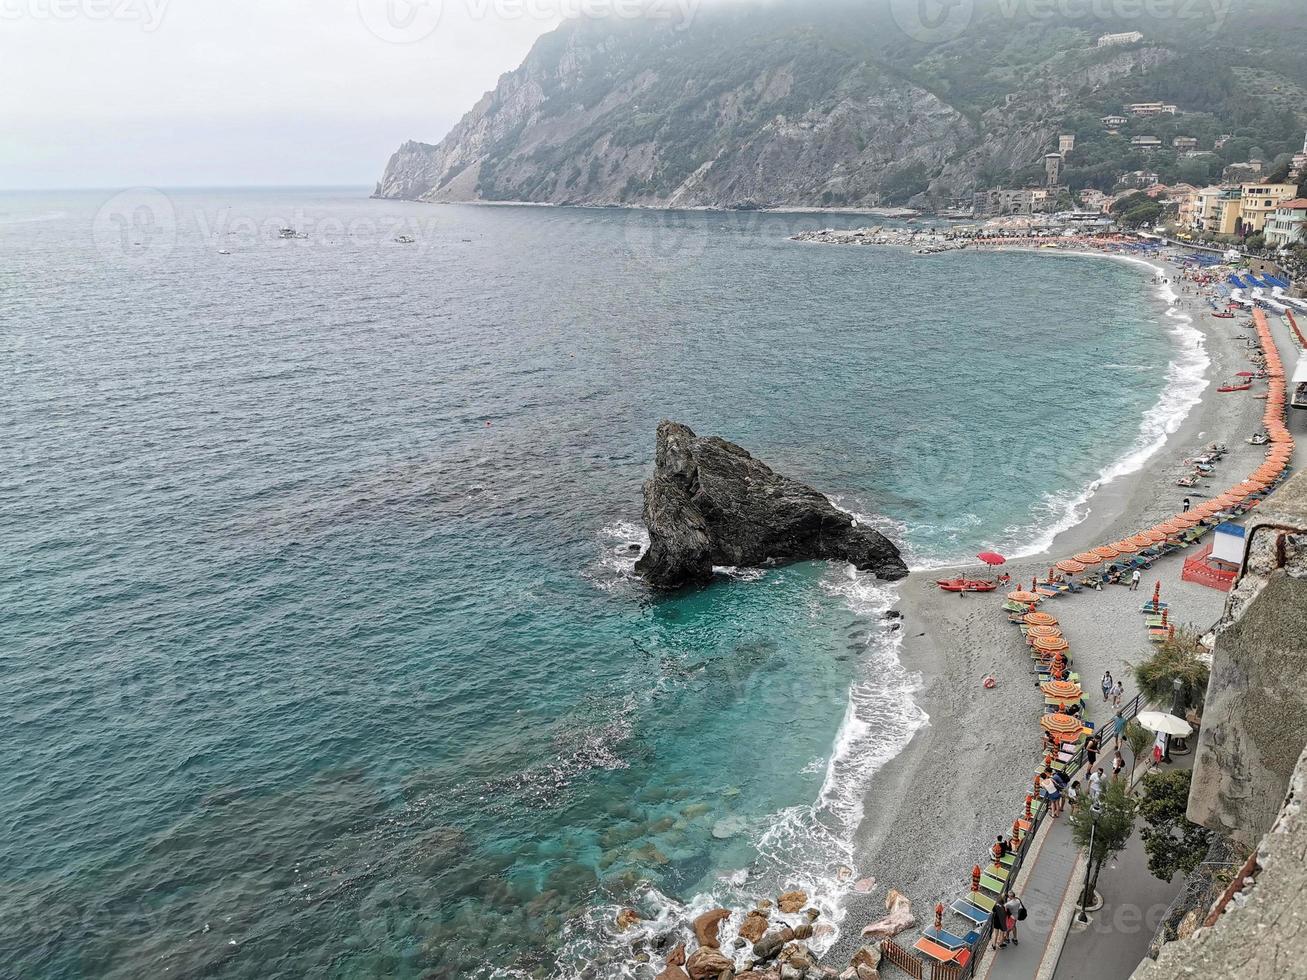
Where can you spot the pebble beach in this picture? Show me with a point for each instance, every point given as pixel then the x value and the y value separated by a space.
pixel 933 811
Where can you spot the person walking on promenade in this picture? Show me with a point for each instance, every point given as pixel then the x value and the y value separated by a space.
pixel 1107 684
pixel 998 920
pixel 1091 753
pixel 1073 795
pixel 1096 784
pixel 1012 905
pixel 1052 795
pixel 1118 764
pixel 1118 692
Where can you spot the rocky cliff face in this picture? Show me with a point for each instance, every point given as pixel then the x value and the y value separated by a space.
pixel 789 104
pixel 711 503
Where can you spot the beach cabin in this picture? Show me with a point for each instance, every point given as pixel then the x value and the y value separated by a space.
pixel 1217 566
pixel 1298 387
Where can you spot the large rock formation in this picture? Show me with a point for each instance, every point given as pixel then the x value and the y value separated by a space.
pixel 711 503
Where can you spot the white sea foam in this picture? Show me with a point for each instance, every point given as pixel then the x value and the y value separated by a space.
pixel 1186 380
pixel 810 847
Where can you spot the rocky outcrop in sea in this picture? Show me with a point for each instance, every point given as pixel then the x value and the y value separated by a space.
pixel 710 503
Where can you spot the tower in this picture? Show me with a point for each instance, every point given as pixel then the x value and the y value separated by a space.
pixel 1053 168
pixel 1065 144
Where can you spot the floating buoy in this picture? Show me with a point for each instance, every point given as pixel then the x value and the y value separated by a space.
pixel 990 683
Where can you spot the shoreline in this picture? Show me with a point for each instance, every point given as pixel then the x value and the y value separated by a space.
pixel 933 808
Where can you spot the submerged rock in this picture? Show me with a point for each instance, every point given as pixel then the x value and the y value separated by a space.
pixel 711 503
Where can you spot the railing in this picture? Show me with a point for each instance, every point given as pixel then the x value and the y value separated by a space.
pixel 900 957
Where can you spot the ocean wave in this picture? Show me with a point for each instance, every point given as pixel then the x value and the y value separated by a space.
pixel 1186 380
pixel 810 847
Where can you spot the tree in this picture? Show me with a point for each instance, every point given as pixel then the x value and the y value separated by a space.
pixel 1176 658
pixel 1138 738
pixel 1109 828
pixel 1174 845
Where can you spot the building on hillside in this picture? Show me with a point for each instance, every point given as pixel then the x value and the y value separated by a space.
pixel 1065 144
pixel 1285 225
pixel 1223 139
pixel 1003 201
pixel 1218 210
pixel 1156 191
pixel 1187 204
pixel 1092 199
pixel 1147 143
pixel 1113 123
pixel 1052 169
pixel 1147 110
pixel 1299 166
pixel 1241 173
pixel 1139 179
pixel 1259 201
pixel 1185 143
pixel 1115 40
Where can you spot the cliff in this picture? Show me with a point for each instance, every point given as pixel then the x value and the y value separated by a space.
pixel 837 103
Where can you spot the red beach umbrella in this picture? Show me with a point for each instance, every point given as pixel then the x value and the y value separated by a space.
pixel 992 558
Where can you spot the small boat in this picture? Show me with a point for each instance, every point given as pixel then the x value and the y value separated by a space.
pixel 1227 388
pixel 966 585
pixel 405 240
pixel 1223 316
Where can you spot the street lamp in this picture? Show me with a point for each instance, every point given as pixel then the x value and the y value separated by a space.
pixel 1095 809
pixel 1177 709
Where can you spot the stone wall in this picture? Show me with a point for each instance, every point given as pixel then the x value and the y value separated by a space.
pixel 1255 718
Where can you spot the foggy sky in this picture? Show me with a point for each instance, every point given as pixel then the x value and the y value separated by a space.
pixel 106 93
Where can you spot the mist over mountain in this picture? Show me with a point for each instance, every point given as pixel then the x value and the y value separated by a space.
pixel 838 103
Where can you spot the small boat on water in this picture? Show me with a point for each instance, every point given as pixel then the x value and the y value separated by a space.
pixel 1223 316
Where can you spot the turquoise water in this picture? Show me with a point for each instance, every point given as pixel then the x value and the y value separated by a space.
pixel 323 655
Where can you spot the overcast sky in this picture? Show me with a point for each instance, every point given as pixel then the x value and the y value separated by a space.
pixel 110 93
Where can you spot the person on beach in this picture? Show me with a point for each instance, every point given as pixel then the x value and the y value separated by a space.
pixel 1118 692
pixel 1000 850
pixel 1107 683
pixel 1012 905
pixel 998 919
pixel 1135 579
pixel 1187 504
pixel 1118 764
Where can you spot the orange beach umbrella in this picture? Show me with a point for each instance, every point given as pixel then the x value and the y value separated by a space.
pixel 1089 558
pixel 1024 597
pixel 1062 690
pixel 1060 726
pixel 1035 632
pixel 1040 619
pixel 1050 644
pixel 1124 547
pixel 1071 566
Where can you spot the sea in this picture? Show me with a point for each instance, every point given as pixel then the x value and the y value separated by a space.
pixel 323 654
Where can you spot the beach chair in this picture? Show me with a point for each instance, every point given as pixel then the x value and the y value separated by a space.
pixel 970 911
pixel 940 954
pixel 950 941
pixel 1008 860
pixel 995 885
pixel 982 901
pixel 999 872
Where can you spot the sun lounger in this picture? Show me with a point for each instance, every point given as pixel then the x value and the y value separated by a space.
pixel 932 949
pixel 950 941
pixel 998 871
pixel 987 880
pixel 1008 860
pixel 970 912
pixel 981 900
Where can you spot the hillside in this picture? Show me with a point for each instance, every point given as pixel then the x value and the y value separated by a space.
pixel 812 103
